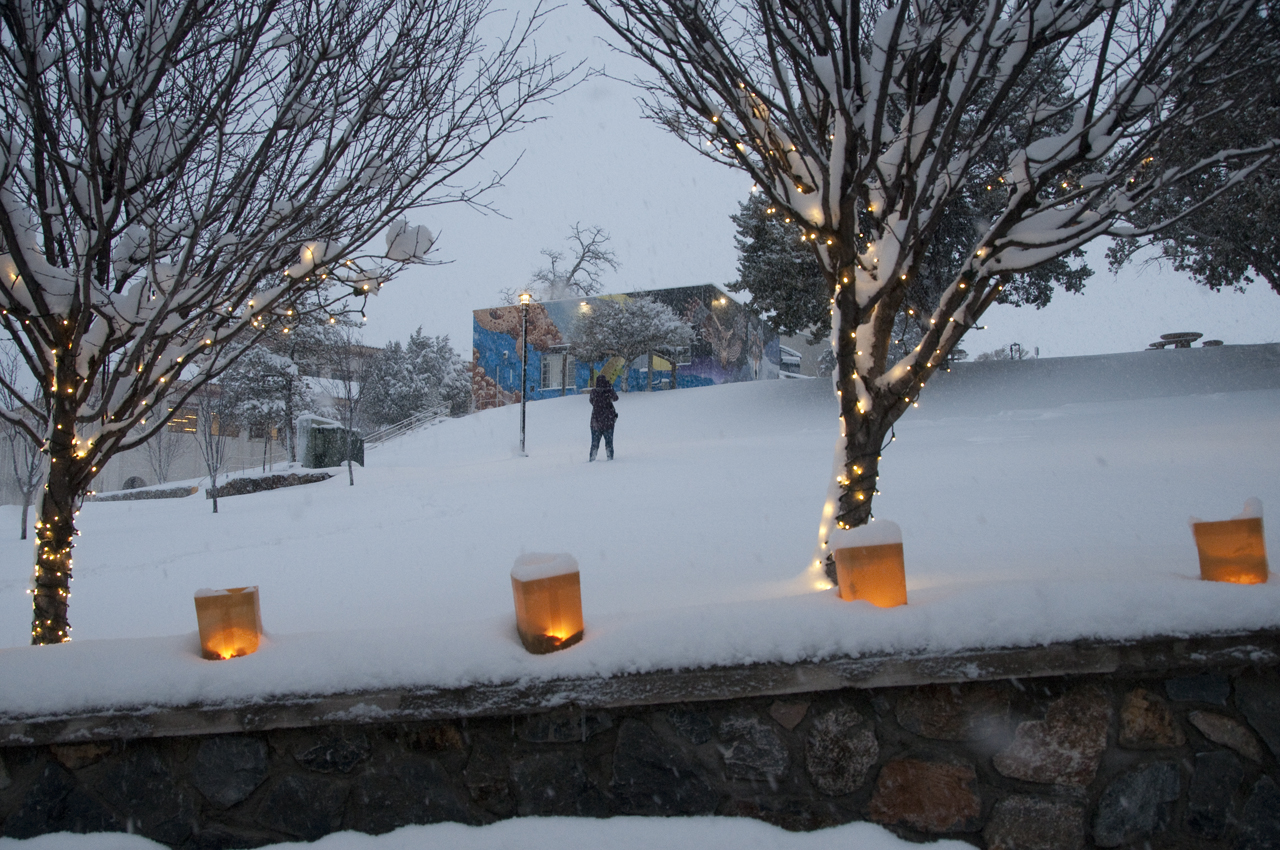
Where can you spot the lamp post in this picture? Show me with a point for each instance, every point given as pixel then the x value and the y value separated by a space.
pixel 525 298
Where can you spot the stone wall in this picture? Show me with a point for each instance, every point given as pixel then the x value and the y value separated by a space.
pixel 1185 760
pixel 261 483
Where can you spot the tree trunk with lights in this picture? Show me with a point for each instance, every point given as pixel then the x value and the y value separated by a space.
pixel 863 122
pixel 70 473
pixel 182 178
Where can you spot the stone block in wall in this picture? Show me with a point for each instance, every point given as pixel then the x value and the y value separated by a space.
pixel 76 756
pixel 338 752
pixel 555 784
pixel 140 788
pixel 1258 699
pixel 1214 782
pixel 790 814
pixel 418 790
pixel 228 768
pixel 753 750
pixel 564 726
pixel 840 751
pixel 1066 747
pixel 434 738
pixel 1023 822
pixel 954 712
pixel 487 778
pixel 695 726
pixel 1227 732
pixel 1260 818
pixel 1147 722
pixel 652 778
pixel 1213 688
pixel 1136 804
pixel 788 714
pixel 56 803
pixel 303 806
pixel 929 796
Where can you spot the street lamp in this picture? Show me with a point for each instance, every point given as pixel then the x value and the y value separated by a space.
pixel 525 298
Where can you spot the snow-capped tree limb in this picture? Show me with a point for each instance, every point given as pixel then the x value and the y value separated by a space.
pixel 862 120
pixel 180 177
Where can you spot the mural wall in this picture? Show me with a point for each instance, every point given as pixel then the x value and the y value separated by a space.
pixel 730 344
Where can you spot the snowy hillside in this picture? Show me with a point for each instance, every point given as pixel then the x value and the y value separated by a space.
pixel 1038 502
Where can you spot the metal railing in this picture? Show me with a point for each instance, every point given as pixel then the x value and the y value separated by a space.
pixel 413 423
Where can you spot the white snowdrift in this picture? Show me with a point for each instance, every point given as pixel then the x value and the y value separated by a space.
pixel 1020 527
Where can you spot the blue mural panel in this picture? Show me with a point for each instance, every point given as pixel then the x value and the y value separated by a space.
pixel 731 343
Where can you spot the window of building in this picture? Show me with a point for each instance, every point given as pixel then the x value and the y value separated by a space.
pixel 229 429
pixel 184 421
pixel 557 371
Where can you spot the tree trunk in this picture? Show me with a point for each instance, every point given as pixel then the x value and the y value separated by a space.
pixel 213 485
pixel 26 507
pixel 67 481
pixel 291 438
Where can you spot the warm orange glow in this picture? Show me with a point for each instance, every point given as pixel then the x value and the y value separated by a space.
pixel 1232 550
pixel 230 622
pixel 874 574
pixel 548 612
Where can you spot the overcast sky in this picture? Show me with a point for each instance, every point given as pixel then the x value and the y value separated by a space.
pixel 594 160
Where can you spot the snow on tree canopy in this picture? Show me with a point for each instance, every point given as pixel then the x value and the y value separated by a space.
pixel 869 124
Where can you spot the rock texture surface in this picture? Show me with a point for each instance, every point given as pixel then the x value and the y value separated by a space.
pixel 1146 722
pixel 839 751
pixel 1171 759
pixel 1066 747
pixel 1031 823
pixel 929 796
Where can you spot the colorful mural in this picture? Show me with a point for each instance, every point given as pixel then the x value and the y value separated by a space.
pixel 730 344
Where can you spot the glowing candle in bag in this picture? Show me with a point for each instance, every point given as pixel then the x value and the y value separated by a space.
pixel 548 598
pixel 869 564
pixel 230 621
pixel 1233 550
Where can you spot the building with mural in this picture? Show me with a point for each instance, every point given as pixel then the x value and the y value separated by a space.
pixel 730 343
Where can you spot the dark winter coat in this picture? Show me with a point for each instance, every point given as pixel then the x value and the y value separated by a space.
pixel 602 398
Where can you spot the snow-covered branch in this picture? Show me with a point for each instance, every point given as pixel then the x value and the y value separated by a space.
pixel 1047 122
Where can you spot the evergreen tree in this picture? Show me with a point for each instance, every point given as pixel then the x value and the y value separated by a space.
pixel 392 391
pixel 402 380
pixel 778 265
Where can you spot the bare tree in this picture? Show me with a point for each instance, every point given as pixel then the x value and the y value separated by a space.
pixel 27 459
pixel 861 120
pixel 215 423
pixel 576 275
pixel 162 449
pixel 182 177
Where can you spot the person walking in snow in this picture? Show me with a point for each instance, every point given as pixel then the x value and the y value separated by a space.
pixel 603 416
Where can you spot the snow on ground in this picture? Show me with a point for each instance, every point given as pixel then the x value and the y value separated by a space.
pixel 1038 502
pixel 621 833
